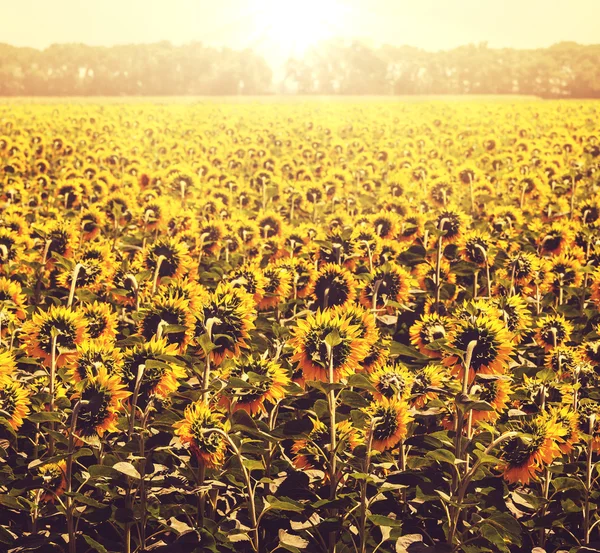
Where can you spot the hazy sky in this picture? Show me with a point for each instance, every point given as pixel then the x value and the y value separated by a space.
pixel 277 28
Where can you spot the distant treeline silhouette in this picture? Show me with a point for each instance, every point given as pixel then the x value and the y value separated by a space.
pixel 334 67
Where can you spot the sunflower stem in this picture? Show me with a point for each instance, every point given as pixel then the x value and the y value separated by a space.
pixel 52 390
pixel 588 482
pixel 159 261
pixel 74 275
pixel 438 264
pixel 69 478
pixel 363 489
pixel 333 442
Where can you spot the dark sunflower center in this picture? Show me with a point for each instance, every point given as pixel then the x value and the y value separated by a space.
pixel 95 412
pixel 316 348
pixel 486 349
pixel 387 425
pixel 331 289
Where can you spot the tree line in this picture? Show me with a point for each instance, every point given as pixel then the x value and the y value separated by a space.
pixel 337 66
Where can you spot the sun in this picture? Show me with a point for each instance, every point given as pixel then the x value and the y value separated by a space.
pixel 292 27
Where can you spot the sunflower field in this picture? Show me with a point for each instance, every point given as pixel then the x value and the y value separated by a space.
pixel 348 327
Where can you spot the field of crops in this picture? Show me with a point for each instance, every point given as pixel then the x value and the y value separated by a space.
pixel 302 326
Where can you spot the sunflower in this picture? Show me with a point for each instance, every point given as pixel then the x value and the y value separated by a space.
pixel 266 380
pixel 186 289
pixel 302 274
pixel 308 453
pixel 311 349
pixel 270 225
pixel 391 382
pixel 516 315
pixel 164 312
pixel 424 384
pixel 476 247
pixel 567 418
pixel 211 236
pixel 389 283
pixel 524 456
pixel 91 276
pixel 333 286
pixel 55 480
pixel 388 419
pixel 101 321
pixel 426 276
pixel 227 318
pixel 564 270
pixel 14 401
pixel 452 222
pixel 195 431
pixel 93 355
pixel 377 356
pixel 250 278
pixel 590 351
pixel 12 248
pixel 155 362
pixel 12 297
pixel 556 239
pixel 428 329
pixel 496 392
pixel 553 330
pixel 277 288
pixel 64 327
pixel 60 238
pixel 562 360
pixel 101 396
pixel 492 349
pixel 91 222
pixel 169 255
pixel 361 318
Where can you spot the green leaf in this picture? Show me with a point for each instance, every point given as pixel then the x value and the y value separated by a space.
pixel 284 504
pixel 443 456
pixel 127 469
pixel 94 544
pixel 380 520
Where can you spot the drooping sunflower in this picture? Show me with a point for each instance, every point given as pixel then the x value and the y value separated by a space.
pixel 333 286
pixel 302 273
pixel 266 383
pixel 101 396
pixel 14 402
pixel 552 331
pixel 426 384
pixel 153 364
pixel 388 420
pixel 12 297
pixel 199 419
pixel 277 288
pixel 493 346
pixel 91 357
pixel 63 327
pixel 516 315
pixel 311 348
pixel 91 276
pixel 524 456
pixel 452 222
pixel 562 360
pixel 391 381
pixel 557 238
pixel 170 255
pixel 101 321
pixel 564 270
pixel 496 392
pixel 250 278
pixel 308 453
pixel 477 247
pixel 377 356
pixel 165 311
pixel 428 329
pixel 227 318
pixel 55 480
pixel 390 283
pixel 211 236
pixel 91 222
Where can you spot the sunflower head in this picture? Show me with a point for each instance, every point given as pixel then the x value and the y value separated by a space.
pixel 55 480
pixel 325 341
pixel 202 430
pixel 387 423
pixel 333 286
pixel 553 331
